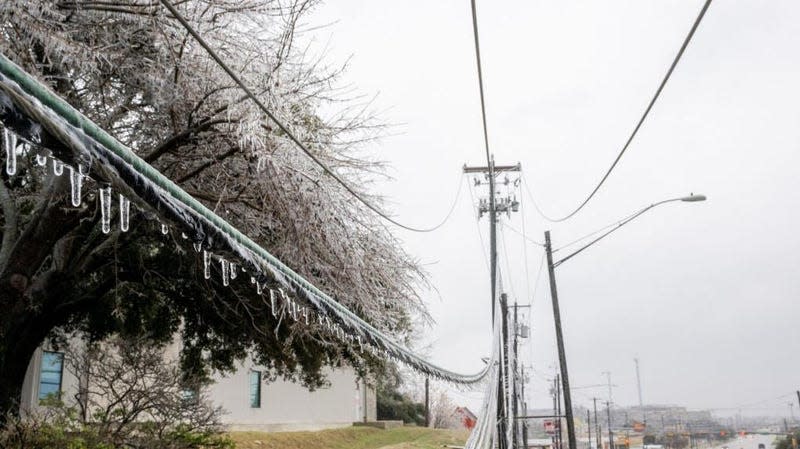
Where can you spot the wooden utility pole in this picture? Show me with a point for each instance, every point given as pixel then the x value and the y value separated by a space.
pixel 597 423
pixel 562 357
pixel 492 207
pixel 427 403
pixel 610 433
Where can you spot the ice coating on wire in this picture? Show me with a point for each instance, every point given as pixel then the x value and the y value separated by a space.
pixel 74 137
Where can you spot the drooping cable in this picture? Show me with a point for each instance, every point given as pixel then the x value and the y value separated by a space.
pixel 167 4
pixel 595 232
pixel 641 119
pixel 521 234
pixel 30 108
pixel 508 263
pixel 478 226
pixel 480 81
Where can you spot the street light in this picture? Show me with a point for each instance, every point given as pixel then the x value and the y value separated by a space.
pixel 562 359
pixel 692 198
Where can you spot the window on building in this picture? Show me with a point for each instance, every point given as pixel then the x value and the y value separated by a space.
pixel 255 389
pixel 190 395
pixel 50 375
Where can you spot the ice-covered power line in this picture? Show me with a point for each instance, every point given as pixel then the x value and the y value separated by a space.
pixel 186 25
pixel 627 144
pixel 30 110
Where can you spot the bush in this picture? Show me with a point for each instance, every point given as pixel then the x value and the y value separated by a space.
pixel 134 398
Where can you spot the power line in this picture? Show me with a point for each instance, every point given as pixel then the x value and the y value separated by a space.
pixel 641 120
pixel 595 232
pixel 521 234
pixel 525 256
pixel 480 82
pixel 480 234
pixel 508 264
pixel 285 129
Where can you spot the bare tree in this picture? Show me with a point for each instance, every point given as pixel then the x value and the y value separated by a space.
pixel 134 393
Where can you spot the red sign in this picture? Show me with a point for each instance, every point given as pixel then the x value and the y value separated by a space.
pixel 551 426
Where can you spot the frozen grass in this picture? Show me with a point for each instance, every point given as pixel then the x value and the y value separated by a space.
pixel 351 438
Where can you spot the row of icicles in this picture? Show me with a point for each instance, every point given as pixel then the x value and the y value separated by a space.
pixel 228 269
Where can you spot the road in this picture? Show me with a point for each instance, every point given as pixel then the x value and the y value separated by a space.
pixel 748 442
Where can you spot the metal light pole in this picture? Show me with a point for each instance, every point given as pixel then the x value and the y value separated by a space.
pixel 551 266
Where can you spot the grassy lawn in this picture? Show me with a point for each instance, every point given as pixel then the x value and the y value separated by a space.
pixel 351 438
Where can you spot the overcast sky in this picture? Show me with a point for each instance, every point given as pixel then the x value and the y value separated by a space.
pixel 705 294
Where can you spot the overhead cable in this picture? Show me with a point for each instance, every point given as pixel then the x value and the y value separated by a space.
pixel 640 122
pixel 480 83
pixel 29 108
pixel 521 234
pixel 285 129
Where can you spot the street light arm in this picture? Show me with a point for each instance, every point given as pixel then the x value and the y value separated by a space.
pixel 690 198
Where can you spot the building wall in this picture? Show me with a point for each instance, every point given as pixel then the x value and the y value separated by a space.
pixel 285 406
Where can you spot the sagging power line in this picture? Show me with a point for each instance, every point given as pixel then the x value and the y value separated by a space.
pixel 638 124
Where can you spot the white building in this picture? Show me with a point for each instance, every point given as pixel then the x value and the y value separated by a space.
pixel 250 403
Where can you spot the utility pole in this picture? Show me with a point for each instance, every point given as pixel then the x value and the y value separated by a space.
pixel 798 397
pixel 502 416
pixel 492 207
pixel 562 358
pixel 597 424
pixel 610 433
pixel 427 403
pixel 639 388
pixel 515 370
pixel 558 413
pixel 524 410
pixel 608 380
pixel 589 425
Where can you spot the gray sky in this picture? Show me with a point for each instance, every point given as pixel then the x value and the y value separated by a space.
pixel 706 294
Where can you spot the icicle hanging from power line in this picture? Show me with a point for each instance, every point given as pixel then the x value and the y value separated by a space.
pixel 75 182
pixel 105 209
pixel 273 302
pixel 259 288
pixel 206 265
pixel 124 213
pixel 58 167
pixel 233 271
pixel 164 229
pixel 225 267
pixel 41 159
pixel 10 144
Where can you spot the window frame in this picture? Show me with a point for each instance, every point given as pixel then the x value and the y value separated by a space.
pixel 254 396
pixel 60 384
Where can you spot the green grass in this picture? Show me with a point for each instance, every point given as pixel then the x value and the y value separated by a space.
pixel 351 438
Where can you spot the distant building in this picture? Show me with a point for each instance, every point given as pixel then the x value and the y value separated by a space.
pixel 463 418
pixel 250 403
